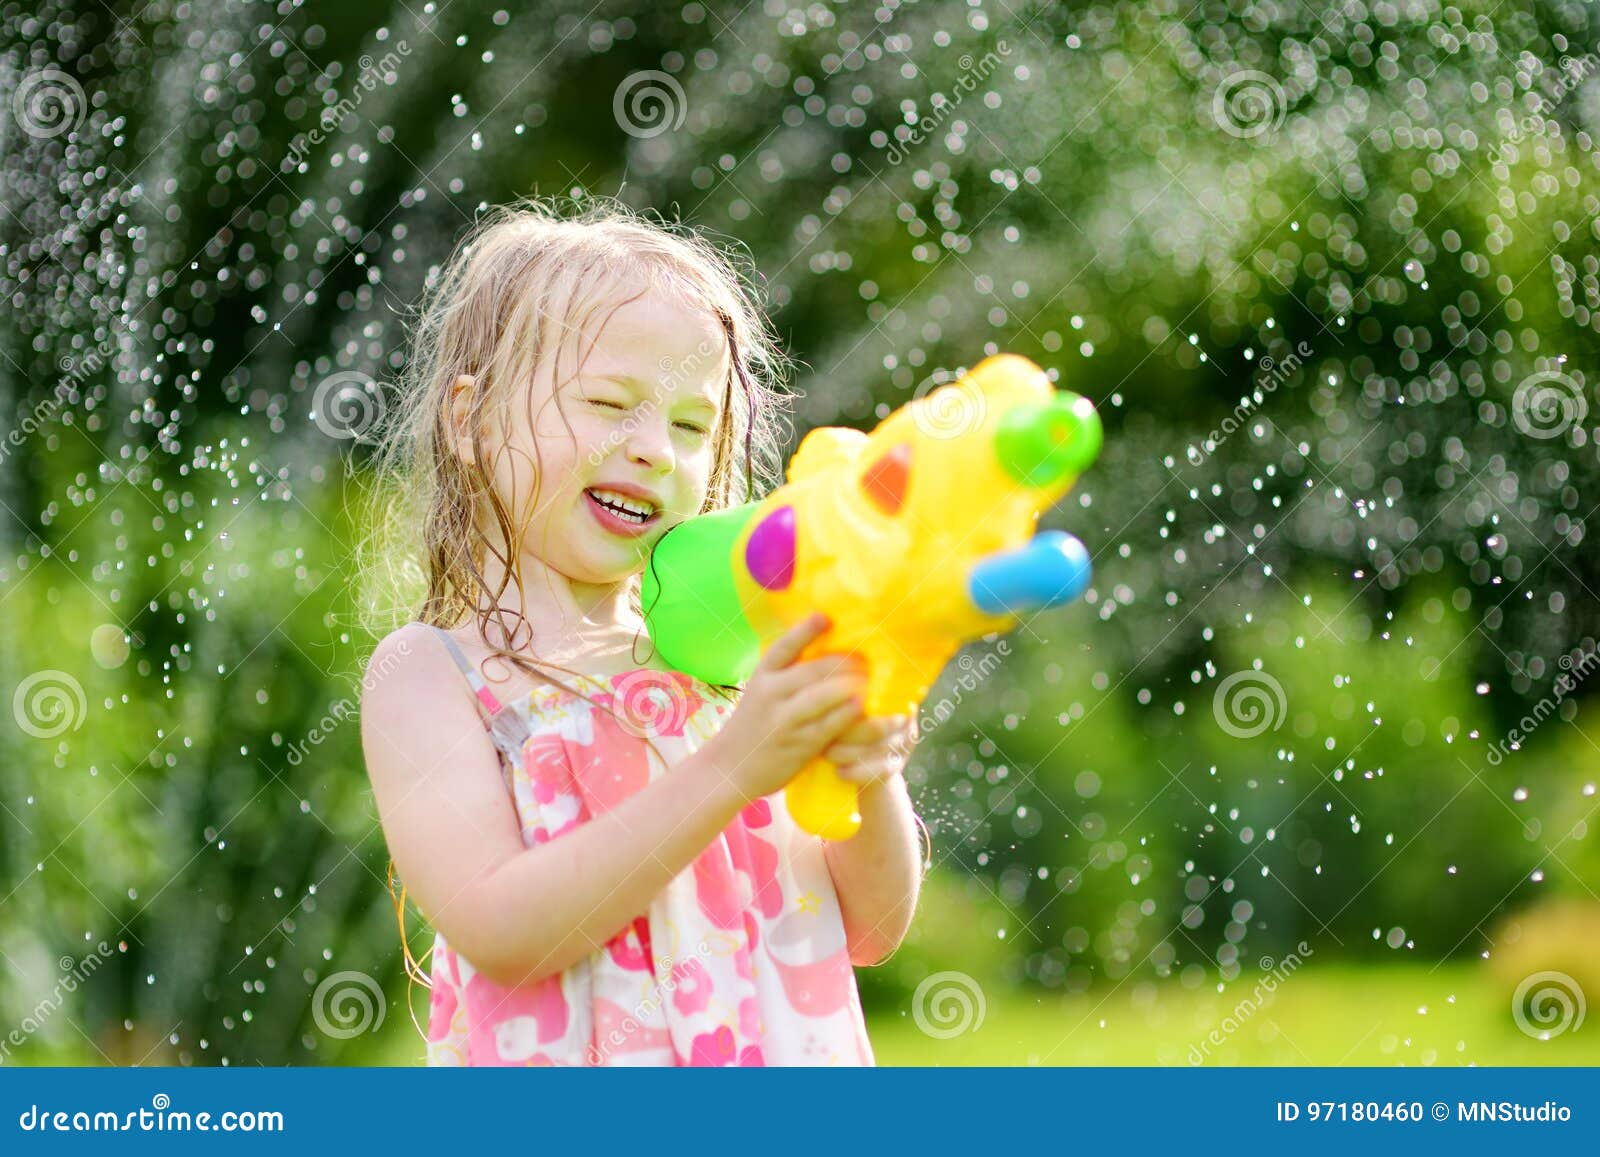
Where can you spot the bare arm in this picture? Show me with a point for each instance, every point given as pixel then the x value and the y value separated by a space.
pixel 878 872
pixel 517 913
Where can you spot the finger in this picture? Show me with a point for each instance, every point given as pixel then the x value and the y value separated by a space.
pixel 871 770
pixel 816 700
pixel 825 665
pixel 863 735
pixel 833 722
pixel 786 648
pixel 890 727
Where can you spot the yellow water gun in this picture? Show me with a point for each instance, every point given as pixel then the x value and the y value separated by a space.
pixel 913 540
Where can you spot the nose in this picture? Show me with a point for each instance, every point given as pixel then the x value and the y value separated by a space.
pixel 650 443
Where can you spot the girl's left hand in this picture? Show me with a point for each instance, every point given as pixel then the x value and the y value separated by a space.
pixel 874 749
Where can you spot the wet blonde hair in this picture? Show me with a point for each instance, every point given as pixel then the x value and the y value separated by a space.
pixel 534 282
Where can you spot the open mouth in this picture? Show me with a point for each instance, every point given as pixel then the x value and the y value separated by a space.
pixel 632 511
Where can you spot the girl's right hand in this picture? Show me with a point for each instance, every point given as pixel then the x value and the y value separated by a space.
pixel 790 713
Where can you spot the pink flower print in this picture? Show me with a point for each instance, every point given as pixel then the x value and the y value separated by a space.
pixel 441 1006
pixel 545 758
pixel 692 987
pixel 612 768
pixel 521 1019
pixel 750 1057
pixel 713 1049
pixel 757 814
pixel 750 1018
pixel 558 807
pixel 717 887
pixel 630 948
pixel 758 860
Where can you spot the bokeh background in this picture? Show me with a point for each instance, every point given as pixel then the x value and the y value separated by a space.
pixel 1308 776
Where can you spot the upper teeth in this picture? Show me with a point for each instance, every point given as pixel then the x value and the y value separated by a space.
pixel 631 505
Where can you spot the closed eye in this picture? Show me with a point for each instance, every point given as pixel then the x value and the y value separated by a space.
pixel 604 402
pixel 693 427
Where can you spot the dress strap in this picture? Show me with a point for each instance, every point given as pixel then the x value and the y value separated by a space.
pixel 508 728
pixel 474 679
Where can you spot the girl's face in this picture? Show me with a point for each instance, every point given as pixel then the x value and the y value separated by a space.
pixel 643 409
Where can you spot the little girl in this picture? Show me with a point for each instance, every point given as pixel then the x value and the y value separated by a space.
pixel 601 843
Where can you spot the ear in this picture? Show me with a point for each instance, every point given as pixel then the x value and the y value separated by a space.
pixel 463 392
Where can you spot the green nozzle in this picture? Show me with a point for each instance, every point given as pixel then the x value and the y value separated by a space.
pixel 691 599
pixel 1042 445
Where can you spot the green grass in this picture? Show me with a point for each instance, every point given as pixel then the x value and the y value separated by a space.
pixel 1458 1014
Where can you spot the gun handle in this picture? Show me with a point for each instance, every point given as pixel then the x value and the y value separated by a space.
pixel 823 803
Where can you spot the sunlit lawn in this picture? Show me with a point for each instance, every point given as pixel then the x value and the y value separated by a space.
pixel 1322 1015
pixel 1327 1015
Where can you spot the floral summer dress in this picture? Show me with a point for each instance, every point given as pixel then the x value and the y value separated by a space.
pixel 740 960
